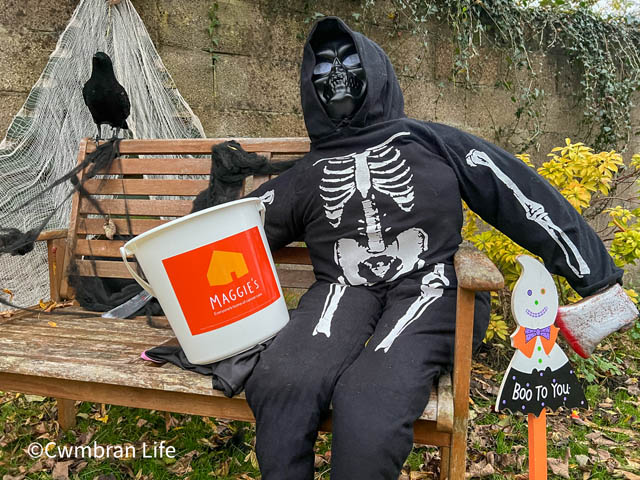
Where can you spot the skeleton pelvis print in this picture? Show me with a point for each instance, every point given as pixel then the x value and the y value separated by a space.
pixel 359 176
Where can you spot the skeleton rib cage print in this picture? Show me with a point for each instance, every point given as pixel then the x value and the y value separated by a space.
pixel 379 167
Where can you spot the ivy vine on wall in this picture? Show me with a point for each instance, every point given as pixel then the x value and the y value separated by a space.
pixel 604 52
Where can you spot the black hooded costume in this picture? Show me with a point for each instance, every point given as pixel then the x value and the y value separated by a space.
pixel 378 202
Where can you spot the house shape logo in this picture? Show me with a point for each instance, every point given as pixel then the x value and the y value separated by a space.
pixel 224 266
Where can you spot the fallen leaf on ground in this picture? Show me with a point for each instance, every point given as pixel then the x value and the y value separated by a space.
pixel 582 460
pixel 604 455
pixel 34 398
pixel 479 470
pixel 559 467
pixel 183 465
pixel 61 470
pixel 624 431
pixel 599 439
pixel 36 467
pixel 627 475
pixel 80 466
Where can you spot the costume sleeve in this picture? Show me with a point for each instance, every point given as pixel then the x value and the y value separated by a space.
pixel 515 199
pixel 284 215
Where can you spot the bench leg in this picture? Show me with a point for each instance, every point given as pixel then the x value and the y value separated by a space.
pixel 461 381
pixel 444 463
pixel 66 413
pixel 458 455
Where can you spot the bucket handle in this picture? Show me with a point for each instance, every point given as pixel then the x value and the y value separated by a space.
pixel 262 211
pixel 145 285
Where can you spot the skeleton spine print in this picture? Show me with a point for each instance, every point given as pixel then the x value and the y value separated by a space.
pixel 382 170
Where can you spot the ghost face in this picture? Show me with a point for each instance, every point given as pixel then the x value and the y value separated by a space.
pixel 338 77
pixel 535 299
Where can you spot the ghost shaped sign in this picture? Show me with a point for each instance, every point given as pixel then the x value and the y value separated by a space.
pixel 539 375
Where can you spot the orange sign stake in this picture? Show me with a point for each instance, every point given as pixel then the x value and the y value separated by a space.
pixel 538 446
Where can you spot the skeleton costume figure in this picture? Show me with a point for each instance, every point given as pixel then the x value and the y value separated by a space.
pixel 378 202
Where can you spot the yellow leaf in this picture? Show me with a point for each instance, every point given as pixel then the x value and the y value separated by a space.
pixel 52 324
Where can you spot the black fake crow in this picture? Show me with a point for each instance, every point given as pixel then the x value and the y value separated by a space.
pixel 107 100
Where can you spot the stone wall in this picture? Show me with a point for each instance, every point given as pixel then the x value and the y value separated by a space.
pixel 250 88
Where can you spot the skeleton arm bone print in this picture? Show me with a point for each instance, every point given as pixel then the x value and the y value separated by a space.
pixel 512 197
pixel 534 212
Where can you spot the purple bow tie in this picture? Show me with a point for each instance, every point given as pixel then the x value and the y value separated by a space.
pixel 531 333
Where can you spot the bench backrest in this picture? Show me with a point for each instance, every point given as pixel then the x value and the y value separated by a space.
pixel 147 201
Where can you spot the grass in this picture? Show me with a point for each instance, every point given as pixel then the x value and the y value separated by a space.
pixel 602 443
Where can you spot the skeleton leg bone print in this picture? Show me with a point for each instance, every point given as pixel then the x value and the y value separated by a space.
pixel 336 291
pixel 534 212
pixel 432 284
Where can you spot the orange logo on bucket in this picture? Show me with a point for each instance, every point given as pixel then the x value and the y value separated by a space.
pixel 223 282
pixel 223 265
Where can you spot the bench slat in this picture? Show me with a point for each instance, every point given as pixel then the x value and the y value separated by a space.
pixel 114 269
pixel 111 248
pixel 160 166
pixel 95 226
pixel 145 186
pixel 188 146
pixel 157 208
pixel 81 318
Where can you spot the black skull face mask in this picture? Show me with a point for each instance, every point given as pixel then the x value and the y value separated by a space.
pixel 339 77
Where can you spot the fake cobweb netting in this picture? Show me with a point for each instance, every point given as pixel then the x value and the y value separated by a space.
pixel 42 141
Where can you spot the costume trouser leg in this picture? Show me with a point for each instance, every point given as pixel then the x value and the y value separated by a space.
pixel 381 394
pixel 290 389
pixel 381 388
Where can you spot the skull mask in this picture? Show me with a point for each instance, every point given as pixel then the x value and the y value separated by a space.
pixel 338 76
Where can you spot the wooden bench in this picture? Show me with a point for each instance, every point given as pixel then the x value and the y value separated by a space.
pixel 89 358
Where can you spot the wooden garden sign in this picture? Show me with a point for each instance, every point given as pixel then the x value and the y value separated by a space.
pixel 539 375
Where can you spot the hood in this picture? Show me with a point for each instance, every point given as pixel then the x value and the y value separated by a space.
pixel 383 100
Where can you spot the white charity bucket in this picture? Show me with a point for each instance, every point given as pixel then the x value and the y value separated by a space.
pixel 214 277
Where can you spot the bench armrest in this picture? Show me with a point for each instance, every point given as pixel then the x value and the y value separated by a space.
pixel 56 250
pixel 52 235
pixel 475 271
